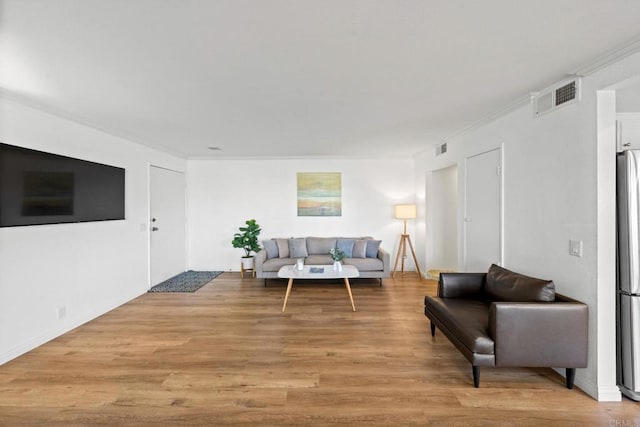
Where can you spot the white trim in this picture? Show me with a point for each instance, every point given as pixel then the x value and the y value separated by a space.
pixel 512 106
pixel 608 394
pixel 64 327
pixel 605 305
pixel 611 57
pixel 615 55
pixel 149 165
pixel 46 108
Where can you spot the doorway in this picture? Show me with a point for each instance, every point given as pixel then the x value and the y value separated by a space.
pixel 442 208
pixel 167 224
pixel 483 211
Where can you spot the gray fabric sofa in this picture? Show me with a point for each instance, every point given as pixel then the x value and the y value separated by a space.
pixel 502 318
pixel 374 262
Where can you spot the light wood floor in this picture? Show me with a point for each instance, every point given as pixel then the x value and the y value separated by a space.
pixel 227 355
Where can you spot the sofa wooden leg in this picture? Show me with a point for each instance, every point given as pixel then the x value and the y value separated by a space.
pixel 571 376
pixel 476 376
pixel 433 329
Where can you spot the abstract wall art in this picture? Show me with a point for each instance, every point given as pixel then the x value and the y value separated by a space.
pixel 319 194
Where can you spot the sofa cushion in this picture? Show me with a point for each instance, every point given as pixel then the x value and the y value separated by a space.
pixel 318 260
pixel 271 246
pixel 283 248
pixel 372 248
pixel 365 264
pixel 359 249
pixel 320 245
pixel 274 264
pixel 466 319
pixel 297 248
pixel 346 246
pixel 506 285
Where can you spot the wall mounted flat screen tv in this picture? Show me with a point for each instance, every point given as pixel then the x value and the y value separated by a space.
pixel 43 188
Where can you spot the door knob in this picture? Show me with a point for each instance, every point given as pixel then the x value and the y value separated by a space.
pixel 154 229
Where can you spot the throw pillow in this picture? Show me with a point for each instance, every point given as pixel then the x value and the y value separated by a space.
pixel 506 285
pixel 346 246
pixel 372 248
pixel 320 245
pixel 359 249
pixel 271 247
pixel 298 248
pixel 283 248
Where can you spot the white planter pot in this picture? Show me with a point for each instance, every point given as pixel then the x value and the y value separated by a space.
pixel 247 263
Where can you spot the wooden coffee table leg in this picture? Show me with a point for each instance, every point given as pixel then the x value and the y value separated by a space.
pixel 286 296
pixel 346 283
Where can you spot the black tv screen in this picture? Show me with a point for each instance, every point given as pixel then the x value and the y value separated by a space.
pixel 44 188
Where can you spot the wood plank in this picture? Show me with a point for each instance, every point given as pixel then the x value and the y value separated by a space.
pixel 228 355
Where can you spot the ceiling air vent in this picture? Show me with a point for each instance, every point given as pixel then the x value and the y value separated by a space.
pixel 441 149
pixel 558 95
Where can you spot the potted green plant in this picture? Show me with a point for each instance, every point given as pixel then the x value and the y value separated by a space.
pixel 247 239
pixel 336 255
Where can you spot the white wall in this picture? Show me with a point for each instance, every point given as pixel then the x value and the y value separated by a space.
pixel 629 130
pixel 88 268
pixel 222 194
pixel 558 185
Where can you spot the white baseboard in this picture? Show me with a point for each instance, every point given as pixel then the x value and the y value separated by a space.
pixel 601 394
pixel 609 394
pixel 71 323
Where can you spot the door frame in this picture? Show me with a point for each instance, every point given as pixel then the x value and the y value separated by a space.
pixel 149 223
pixel 464 205
pixel 430 215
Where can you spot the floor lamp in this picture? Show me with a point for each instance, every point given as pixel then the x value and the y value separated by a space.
pixel 405 212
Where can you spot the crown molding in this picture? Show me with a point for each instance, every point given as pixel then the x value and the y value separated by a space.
pixel 609 58
pixel 512 106
pixel 35 104
pixel 300 157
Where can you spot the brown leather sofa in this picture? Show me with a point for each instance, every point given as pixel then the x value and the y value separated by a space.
pixel 502 318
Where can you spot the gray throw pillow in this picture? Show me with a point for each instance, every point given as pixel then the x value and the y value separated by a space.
pixel 320 245
pixel 346 246
pixel 283 248
pixel 271 247
pixel 372 248
pixel 359 249
pixel 298 248
pixel 506 285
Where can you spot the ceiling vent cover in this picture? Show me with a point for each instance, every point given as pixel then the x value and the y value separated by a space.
pixel 441 149
pixel 558 95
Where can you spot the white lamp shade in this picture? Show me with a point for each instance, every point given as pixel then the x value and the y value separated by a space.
pixel 405 211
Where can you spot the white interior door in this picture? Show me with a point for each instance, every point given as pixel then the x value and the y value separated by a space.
pixel 167 224
pixel 483 219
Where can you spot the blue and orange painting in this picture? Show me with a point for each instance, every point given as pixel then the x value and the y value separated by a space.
pixel 319 194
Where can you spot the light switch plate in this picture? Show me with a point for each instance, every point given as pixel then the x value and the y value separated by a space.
pixel 575 248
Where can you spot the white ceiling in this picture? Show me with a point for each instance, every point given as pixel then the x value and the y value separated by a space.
pixel 277 78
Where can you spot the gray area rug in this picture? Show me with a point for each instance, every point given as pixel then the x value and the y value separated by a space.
pixel 189 281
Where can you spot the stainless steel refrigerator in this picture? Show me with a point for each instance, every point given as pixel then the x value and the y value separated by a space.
pixel 628 310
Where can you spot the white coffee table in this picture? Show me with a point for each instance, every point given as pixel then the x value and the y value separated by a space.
pixel 289 272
